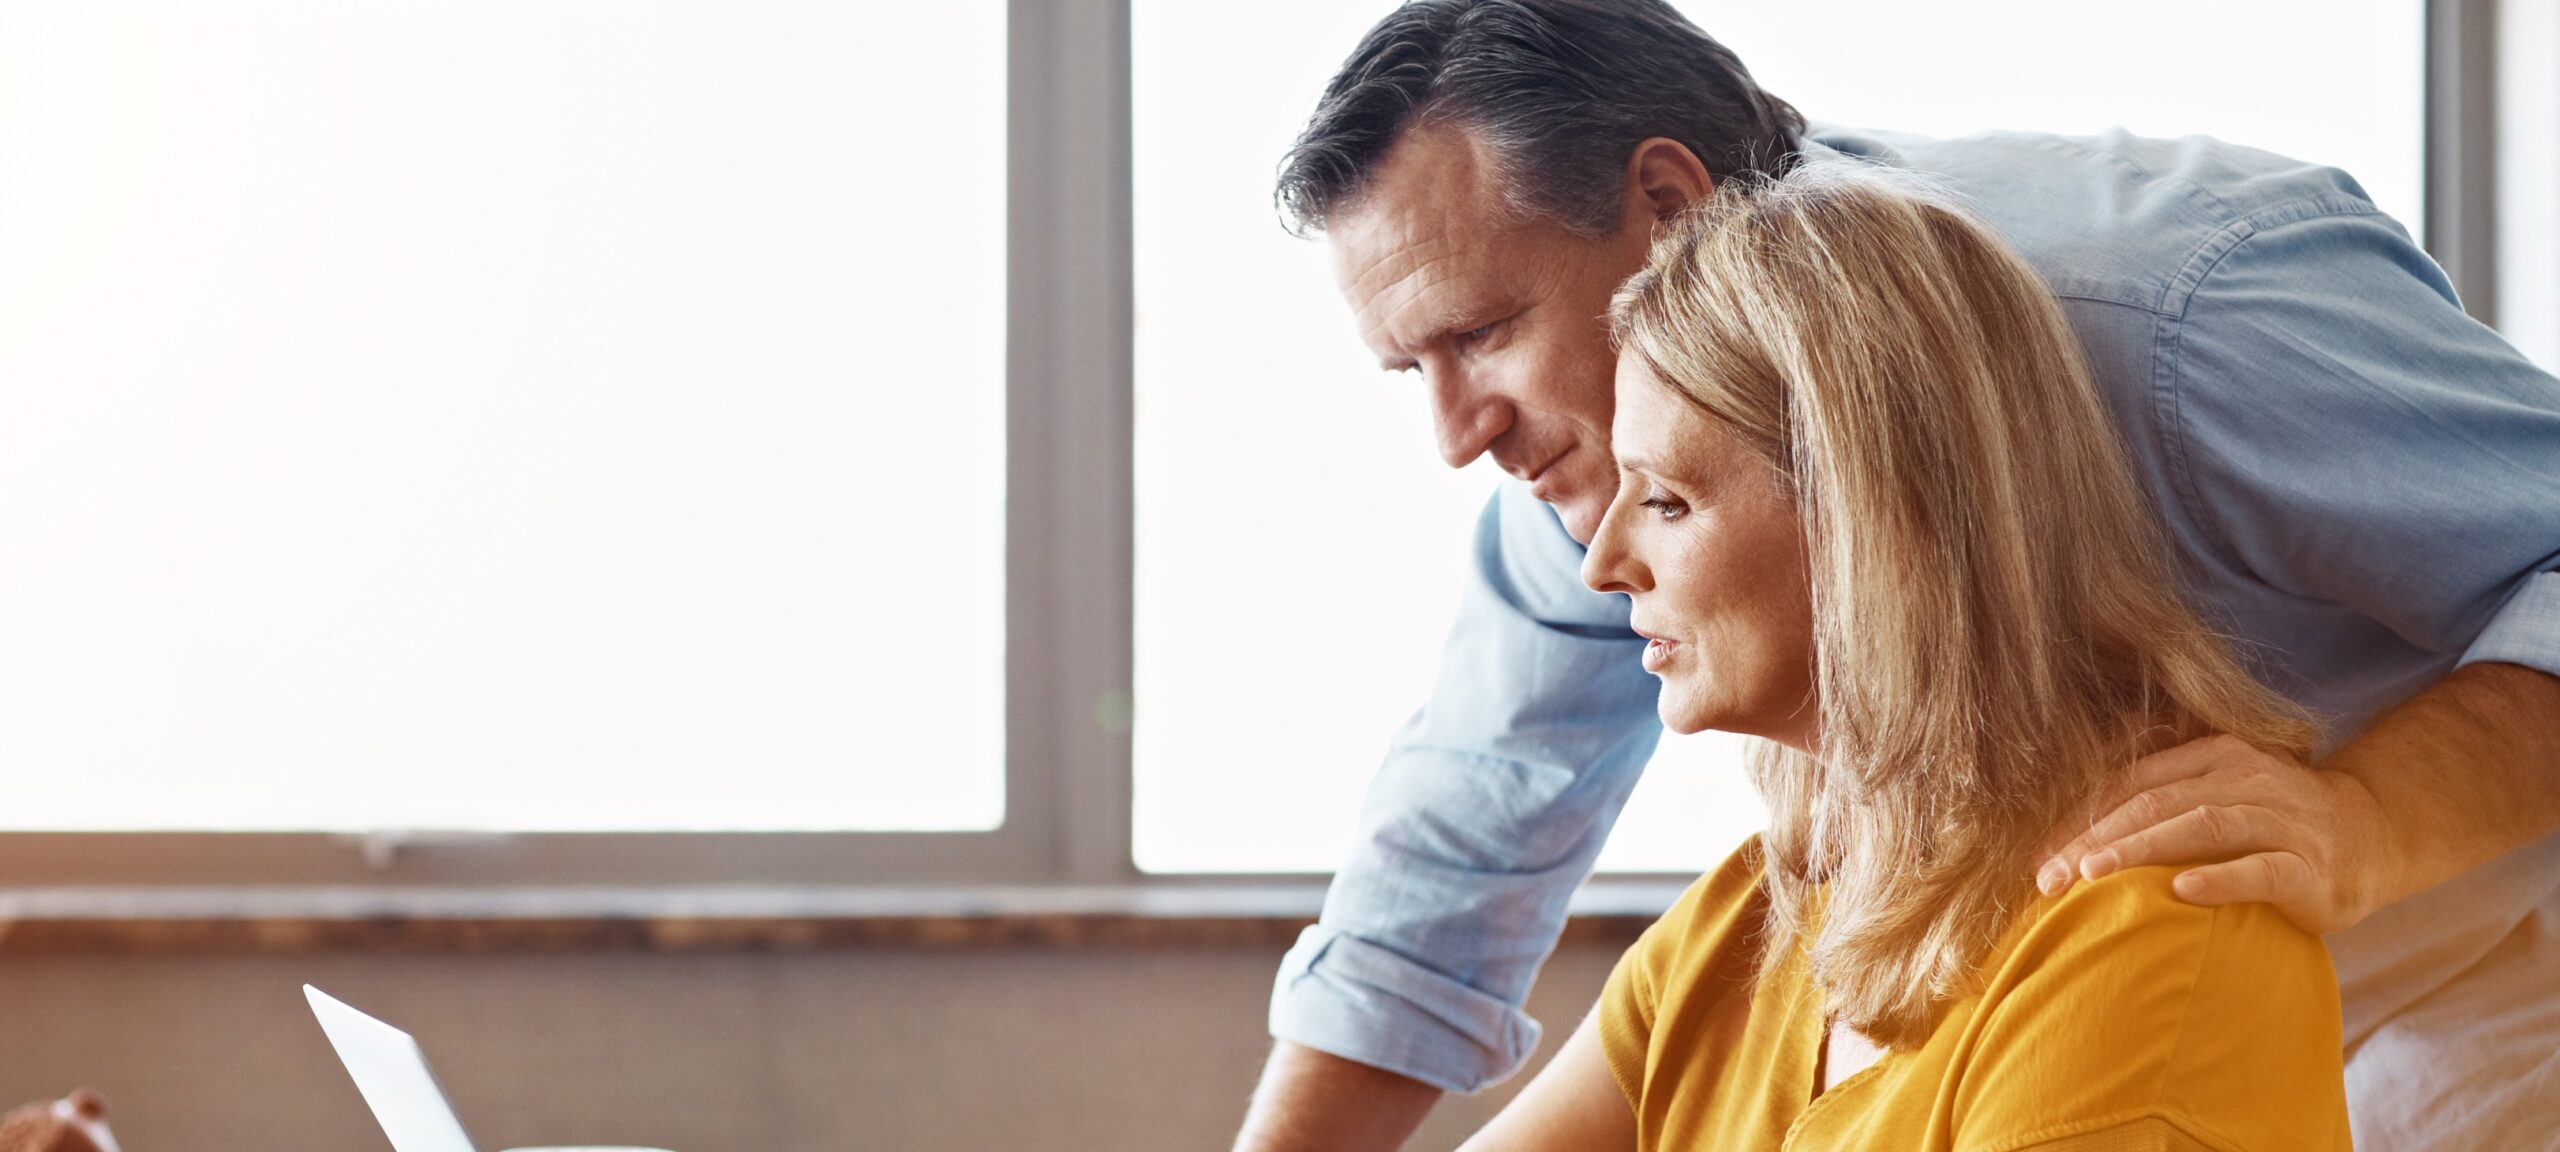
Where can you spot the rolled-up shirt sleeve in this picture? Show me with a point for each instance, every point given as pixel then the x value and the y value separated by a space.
pixel 2527 630
pixel 2364 443
pixel 1486 814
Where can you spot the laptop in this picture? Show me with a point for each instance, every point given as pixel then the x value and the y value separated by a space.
pixel 392 1074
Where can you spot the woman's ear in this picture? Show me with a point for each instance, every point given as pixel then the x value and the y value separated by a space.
pixel 1664 177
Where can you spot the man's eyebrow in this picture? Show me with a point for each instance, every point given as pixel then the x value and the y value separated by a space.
pixel 1448 323
pixel 1439 332
pixel 1397 362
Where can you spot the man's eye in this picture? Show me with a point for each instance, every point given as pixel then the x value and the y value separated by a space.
pixel 1477 335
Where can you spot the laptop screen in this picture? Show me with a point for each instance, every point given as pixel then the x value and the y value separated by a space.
pixel 392 1074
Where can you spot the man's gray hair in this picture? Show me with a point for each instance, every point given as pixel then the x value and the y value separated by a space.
pixel 1561 90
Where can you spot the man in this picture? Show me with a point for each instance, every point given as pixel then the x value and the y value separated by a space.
pixel 2364 486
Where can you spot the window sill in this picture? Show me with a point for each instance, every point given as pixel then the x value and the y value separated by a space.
pixel 287 921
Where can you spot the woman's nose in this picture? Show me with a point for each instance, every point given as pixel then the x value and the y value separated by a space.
pixel 1607 566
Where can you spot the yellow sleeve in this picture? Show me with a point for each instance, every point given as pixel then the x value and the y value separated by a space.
pixel 1626 1011
pixel 2123 1005
pixel 1661 957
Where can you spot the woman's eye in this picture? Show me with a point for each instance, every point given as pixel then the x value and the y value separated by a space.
pixel 1666 507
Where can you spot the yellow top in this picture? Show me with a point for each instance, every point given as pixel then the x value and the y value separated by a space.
pixel 2114 1018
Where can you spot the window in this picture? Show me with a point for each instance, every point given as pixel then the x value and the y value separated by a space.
pixel 1298 544
pixel 804 442
pixel 565 416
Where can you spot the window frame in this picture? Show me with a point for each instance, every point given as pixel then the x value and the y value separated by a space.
pixel 1069 540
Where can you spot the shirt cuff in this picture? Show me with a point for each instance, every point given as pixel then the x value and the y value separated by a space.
pixel 2526 630
pixel 1342 995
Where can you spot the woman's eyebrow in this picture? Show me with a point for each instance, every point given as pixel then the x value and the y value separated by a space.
pixel 1683 476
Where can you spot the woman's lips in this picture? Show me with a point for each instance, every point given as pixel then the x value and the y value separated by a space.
pixel 1658 652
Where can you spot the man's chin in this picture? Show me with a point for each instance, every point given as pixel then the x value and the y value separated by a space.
pixel 1580 501
pixel 1581 518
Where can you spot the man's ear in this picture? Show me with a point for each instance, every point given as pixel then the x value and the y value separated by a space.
pixel 1663 177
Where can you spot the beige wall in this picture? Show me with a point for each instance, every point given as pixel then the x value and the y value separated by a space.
pixel 863 1050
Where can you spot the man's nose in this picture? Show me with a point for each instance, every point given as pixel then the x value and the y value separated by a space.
pixel 1465 421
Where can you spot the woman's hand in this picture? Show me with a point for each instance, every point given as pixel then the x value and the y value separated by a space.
pixel 2313 843
pixel 75 1124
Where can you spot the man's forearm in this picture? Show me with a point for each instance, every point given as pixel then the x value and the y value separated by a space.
pixel 2466 771
pixel 1312 1101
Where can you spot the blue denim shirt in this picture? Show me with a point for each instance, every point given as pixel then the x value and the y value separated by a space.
pixel 2364 484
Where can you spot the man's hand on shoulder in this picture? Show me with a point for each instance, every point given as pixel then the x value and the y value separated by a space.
pixel 2264 826
pixel 74 1124
pixel 2446 781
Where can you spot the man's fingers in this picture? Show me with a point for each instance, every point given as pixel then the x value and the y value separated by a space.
pixel 2192 760
pixel 2063 844
pixel 2280 878
pixel 2143 810
pixel 2063 863
pixel 2062 860
pixel 2202 834
pixel 2184 762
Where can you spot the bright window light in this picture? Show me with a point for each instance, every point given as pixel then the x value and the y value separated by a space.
pixel 567 415
pixel 1299 545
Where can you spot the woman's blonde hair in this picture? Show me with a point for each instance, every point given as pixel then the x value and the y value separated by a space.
pixel 1995 624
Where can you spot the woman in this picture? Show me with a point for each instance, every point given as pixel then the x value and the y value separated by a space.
pixel 1869 511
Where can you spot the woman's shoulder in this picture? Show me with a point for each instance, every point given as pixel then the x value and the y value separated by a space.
pixel 2134 930
pixel 2118 1002
pixel 2139 906
pixel 1721 912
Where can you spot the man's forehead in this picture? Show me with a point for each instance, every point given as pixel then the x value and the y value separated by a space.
pixel 1431 171
pixel 1405 301
pixel 1378 250
pixel 1431 197
pixel 1408 268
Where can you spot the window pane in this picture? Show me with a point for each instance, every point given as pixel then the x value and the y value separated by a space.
pixel 2529 178
pixel 535 415
pixel 2338 82
pixel 1298 544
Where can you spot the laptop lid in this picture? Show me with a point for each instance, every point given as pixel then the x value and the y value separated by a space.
pixel 392 1074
